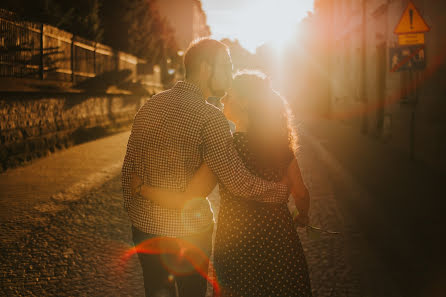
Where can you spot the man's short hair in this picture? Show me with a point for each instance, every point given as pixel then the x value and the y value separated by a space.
pixel 199 51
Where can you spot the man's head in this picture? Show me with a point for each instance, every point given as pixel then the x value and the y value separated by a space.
pixel 207 62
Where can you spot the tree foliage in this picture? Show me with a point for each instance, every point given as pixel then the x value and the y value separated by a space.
pixel 80 17
pixel 133 26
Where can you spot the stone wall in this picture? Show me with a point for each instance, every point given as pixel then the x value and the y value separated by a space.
pixel 36 124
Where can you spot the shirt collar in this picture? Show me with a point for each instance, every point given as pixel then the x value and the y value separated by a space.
pixel 189 87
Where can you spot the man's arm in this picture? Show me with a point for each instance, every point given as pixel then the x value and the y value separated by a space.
pixel 222 158
pixel 200 186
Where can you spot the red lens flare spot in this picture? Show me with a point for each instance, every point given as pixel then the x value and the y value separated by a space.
pixel 180 257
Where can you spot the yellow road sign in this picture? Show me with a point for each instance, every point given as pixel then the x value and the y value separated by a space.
pixel 409 39
pixel 411 21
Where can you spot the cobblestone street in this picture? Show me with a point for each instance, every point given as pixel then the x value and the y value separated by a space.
pixel 329 256
pixel 73 248
pixel 71 252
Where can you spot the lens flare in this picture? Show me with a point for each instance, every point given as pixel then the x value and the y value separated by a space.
pixel 179 257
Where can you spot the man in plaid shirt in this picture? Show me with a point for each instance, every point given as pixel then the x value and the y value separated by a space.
pixel 173 133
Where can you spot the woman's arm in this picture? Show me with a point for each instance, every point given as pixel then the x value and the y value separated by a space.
pixel 299 192
pixel 200 186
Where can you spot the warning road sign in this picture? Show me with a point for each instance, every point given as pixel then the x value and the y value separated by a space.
pixel 411 21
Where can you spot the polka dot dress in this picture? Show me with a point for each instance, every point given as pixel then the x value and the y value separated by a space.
pixel 257 249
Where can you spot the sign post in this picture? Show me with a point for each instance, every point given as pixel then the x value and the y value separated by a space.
pixel 410 55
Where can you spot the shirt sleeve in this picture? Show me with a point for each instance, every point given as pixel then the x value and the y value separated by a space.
pixel 127 170
pixel 222 158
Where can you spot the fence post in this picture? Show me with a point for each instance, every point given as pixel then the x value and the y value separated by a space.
pixel 94 58
pixel 117 58
pixel 72 59
pixel 41 69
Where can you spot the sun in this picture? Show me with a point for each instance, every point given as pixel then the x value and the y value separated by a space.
pixel 279 39
pixel 272 21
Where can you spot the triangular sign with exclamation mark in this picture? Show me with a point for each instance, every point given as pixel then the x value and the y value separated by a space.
pixel 411 21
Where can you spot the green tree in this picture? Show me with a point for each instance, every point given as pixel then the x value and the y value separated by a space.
pixel 135 26
pixel 114 19
pixel 80 17
pixel 86 20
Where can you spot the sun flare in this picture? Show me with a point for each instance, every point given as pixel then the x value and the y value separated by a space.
pixel 256 22
pixel 276 23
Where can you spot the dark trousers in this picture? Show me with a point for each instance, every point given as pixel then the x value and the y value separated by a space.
pixel 169 275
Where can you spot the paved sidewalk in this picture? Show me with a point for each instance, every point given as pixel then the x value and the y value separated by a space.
pixel 63 175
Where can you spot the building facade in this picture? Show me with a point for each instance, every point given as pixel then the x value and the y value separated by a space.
pixel 367 89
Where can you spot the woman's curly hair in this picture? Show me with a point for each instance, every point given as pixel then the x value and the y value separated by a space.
pixel 270 129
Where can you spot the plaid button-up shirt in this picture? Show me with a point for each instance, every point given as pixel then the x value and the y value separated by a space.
pixel 173 133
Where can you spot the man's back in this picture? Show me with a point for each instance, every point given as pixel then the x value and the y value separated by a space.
pixel 171 124
pixel 165 150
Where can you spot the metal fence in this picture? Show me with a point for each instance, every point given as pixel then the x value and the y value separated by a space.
pixel 31 50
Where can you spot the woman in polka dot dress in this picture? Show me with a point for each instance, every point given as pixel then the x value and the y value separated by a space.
pixel 257 251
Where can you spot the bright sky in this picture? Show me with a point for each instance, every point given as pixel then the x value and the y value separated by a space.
pixel 254 22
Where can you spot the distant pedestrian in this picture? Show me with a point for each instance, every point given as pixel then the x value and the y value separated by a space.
pixel 173 134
